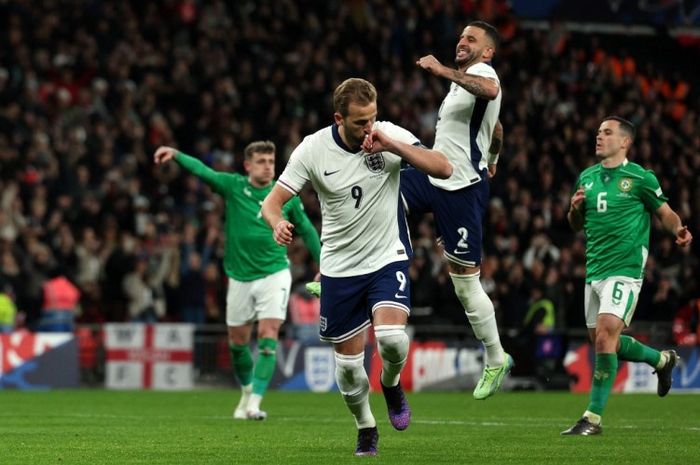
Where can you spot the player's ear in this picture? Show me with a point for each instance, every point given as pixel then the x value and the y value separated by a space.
pixel 488 53
pixel 338 118
pixel 626 142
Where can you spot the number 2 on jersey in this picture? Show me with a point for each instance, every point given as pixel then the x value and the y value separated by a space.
pixel 463 234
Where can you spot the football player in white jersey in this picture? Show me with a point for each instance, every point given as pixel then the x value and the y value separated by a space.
pixel 469 134
pixel 354 167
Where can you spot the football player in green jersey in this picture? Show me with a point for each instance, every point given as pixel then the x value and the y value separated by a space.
pixel 612 204
pixel 257 267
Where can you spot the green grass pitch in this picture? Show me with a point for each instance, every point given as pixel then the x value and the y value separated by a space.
pixel 108 427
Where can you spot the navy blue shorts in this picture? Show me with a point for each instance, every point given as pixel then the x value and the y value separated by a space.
pixel 347 304
pixel 458 214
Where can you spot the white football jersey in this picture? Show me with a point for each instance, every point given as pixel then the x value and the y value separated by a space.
pixel 362 226
pixel 463 131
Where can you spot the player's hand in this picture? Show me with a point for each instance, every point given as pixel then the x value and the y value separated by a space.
pixel 376 141
pixel 683 236
pixel 164 154
pixel 492 170
pixel 283 232
pixel 430 63
pixel 577 200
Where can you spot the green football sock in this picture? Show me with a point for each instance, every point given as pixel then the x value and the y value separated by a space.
pixel 242 362
pixel 603 380
pixel 632 350
pixel 265 365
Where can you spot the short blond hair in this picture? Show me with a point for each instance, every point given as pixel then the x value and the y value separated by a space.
pixel 259 146
pixel 353 90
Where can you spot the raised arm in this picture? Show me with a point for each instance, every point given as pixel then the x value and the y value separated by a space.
pixel 272 214
pixel 429 161
pixel 164 154
pixel 672 223
pixel 478 85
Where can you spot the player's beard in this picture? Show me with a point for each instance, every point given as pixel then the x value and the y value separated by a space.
pixel 355 142
pixel 467 61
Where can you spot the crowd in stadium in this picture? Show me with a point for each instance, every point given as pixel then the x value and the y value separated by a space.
pixel 87 94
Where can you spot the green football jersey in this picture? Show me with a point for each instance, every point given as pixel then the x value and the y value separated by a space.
pixel 251 253
pixel 617 218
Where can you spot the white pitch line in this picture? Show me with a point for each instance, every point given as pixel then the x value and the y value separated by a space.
pixel 545 423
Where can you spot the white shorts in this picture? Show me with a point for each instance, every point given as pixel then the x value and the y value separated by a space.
pixel 617 295
pixel 251 301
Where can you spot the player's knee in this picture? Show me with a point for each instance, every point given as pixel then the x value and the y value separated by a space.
pixel 605 342
pixel 350 373
pixel 392 342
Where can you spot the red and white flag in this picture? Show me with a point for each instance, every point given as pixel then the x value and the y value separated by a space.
pixel 141 356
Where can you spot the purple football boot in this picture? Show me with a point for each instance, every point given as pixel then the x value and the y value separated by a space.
pixel 367 439
pixel 399 411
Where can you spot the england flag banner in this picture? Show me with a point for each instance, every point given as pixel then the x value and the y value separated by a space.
pixel 141 356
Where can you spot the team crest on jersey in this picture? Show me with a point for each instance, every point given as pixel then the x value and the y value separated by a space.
pixel 375 162
pixel 625 184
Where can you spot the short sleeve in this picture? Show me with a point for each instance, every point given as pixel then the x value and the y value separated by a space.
pixel 296 174
pixel 400 134
pixel 482 69
pixel 650 192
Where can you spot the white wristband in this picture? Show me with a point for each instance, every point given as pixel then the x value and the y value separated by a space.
pixel 493 158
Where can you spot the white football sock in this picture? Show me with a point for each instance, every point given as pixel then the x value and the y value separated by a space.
pixel 392 342
pixel 245 397
pixel 242 406
pixel 353 383
pixel 592 417
pixel 254 403
pixel 663 360
pixel 481 315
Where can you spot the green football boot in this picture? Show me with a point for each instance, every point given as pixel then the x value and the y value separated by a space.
pixel 314 288
pixel 491 379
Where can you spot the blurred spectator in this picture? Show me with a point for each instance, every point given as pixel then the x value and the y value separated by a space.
pixel 60 305
pixel 540 316
pixel 686 324
pixel 664 301
pixel 192 281
pixel 304 313
pixel 542 250
pixel 140 301
pixel 8 313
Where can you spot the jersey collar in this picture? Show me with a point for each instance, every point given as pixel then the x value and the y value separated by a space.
pixel 624 163
pixel 339 140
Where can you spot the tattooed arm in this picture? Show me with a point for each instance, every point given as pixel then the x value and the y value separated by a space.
pixel 478 85
pixel 495 148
